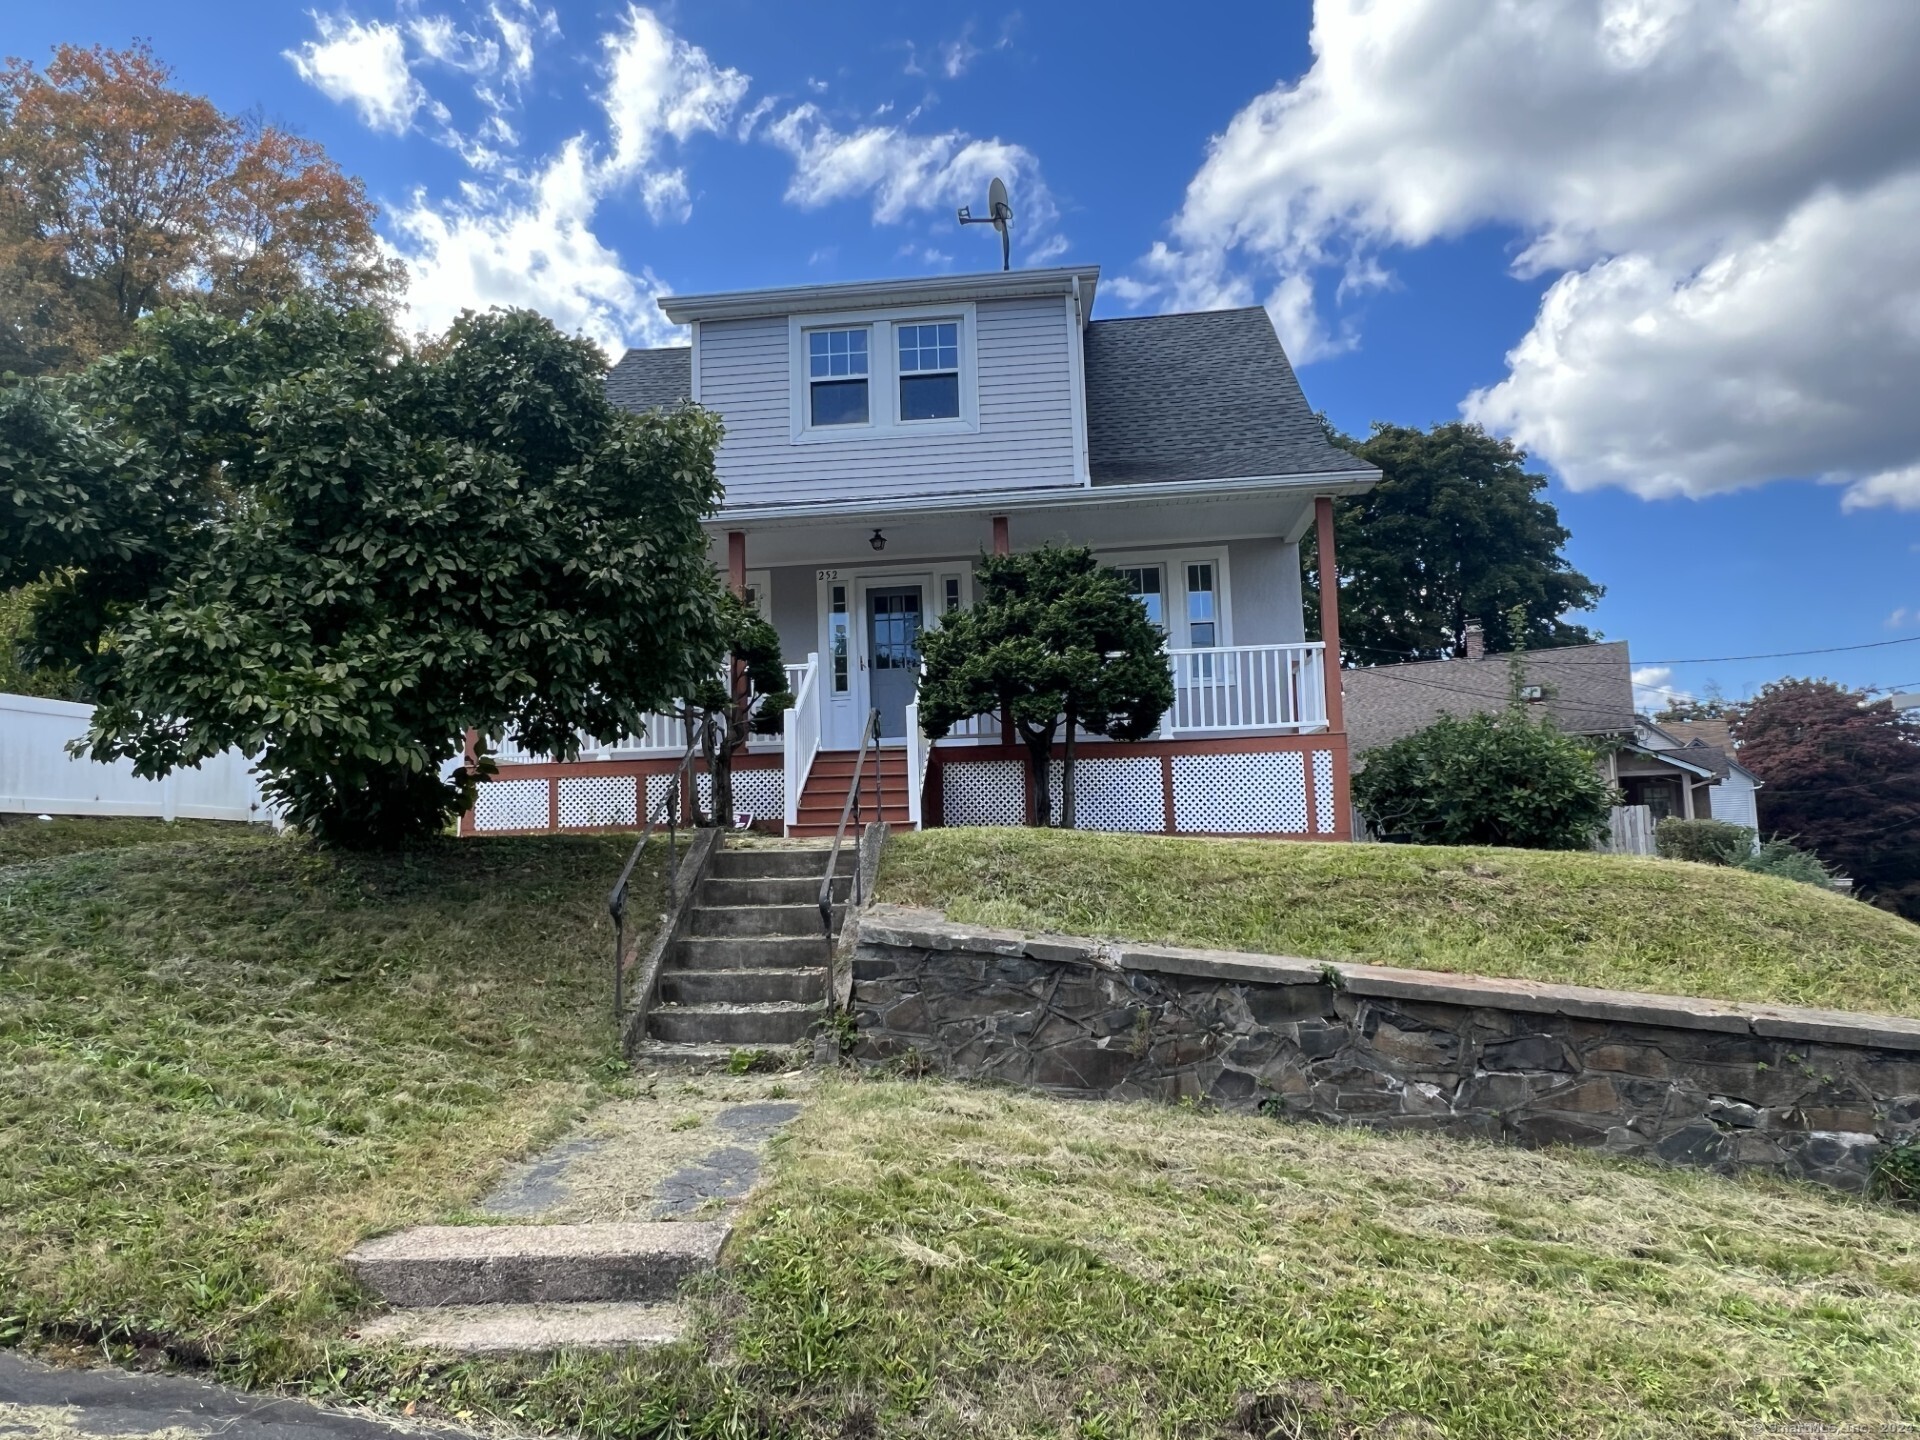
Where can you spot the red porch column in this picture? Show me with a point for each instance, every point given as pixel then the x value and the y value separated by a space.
pixel 1330 612
pixel 737 562
pixel 1002 545
pixel 736 582
pixel 1341 799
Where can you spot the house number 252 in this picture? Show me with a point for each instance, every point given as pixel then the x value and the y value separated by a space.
pixel 826 574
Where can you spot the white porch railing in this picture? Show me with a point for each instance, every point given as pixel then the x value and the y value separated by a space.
pixel 917 748
pixel 663 733
pixel 1220 690
pixel 1246 689
pixel 800 735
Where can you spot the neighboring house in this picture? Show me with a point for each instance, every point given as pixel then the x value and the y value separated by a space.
pixel 881 436
pixel 1587 690
pixel 1729 794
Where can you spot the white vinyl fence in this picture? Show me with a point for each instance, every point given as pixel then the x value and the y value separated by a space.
pixel 39 777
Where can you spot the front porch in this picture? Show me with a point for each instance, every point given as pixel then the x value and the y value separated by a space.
pixel 1252 745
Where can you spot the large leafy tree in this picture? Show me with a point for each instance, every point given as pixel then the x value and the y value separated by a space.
pixel 120 194
pixel 1056 641
pixel 1841 775
pixel 293 535
pixel 1456 531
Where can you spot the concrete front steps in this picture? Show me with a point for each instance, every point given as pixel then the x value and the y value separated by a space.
pixel 482 1289
pixel 751 971
pixel 824 795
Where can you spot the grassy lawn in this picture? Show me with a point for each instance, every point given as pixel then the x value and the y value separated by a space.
pixel 946 1262
pixel 26 837
pixel 224 1060
pixel 1618 921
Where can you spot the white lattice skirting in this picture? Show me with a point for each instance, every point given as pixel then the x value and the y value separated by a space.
pixel 511 805
pixel 1259 793
pixel 1122 794
pixel 759 793
pixel 984 792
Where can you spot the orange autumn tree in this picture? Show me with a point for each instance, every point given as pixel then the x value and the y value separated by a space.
pixel 121 194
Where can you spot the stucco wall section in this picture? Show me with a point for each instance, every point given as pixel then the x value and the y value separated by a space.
pixel 1804 1093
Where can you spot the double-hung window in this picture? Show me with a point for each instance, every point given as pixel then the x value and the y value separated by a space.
pixel 929 370
pixel 837 376
pixel 1143 583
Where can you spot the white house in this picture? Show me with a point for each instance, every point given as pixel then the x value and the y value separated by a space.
pixel 880 436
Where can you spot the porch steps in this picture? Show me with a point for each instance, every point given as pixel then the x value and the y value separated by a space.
pixel 751 971
pixel 825 793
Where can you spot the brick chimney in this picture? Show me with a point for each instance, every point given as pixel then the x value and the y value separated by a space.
pixel 1476 641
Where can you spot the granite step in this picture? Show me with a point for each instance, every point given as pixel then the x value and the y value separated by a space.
pixel 750 952
pixel 774 890
pixel 780 1022
pixel 530 1329
pixel 438 1265
pixel 798 919
pixel 743 986
pixel 775 862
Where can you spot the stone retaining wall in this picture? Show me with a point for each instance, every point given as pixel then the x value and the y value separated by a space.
pixel 1694 1082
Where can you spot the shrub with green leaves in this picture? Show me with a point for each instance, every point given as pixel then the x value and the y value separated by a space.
pixel 1706 842
pixel 1501 779
pixel 1789 862
pixel 1720 842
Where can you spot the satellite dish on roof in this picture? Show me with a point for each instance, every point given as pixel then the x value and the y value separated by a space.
pixel 999 215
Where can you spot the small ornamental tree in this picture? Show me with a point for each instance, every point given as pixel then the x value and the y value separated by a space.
pixel 1055 640
pixel 292 535
pixel 753 707
pixel 1486 780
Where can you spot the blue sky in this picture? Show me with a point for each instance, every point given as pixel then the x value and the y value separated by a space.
pixel 1664 243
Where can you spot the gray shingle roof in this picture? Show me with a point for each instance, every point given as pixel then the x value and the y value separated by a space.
pixel 1203 396
pixel 1589 691
pixel 652 379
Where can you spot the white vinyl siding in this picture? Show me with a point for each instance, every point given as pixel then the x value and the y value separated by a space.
pixel 1025 436
pixel 1732 800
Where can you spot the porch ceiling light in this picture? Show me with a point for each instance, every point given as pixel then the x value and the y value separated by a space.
pixel 879 541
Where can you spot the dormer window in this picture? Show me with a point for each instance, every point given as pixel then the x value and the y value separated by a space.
pixel 879 376
pixel 837 376
pixel 929 370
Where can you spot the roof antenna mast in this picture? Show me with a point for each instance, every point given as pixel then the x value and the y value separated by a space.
pixel 999 215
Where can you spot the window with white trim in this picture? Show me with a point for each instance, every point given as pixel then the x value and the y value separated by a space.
pixel 1144 584
pixel 1203 609
pixel 929 370
pixel 837 366
pixel 839 637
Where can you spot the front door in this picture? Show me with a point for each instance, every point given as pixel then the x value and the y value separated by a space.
pixel 893 654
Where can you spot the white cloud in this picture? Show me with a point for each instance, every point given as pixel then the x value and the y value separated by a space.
pixel 903 173
pixel 1718 185
pixel 658 84
pixel 1901 617
pixel 539 251
pixel 1652 690
pixel 1797 354
pixel 364 66
pixel 957 54
pixel 524 233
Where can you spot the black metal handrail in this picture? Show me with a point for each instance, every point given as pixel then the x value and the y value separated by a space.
pixel 617 899
pixel 869 739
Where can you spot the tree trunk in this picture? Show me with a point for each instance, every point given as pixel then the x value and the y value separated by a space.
pixel 1039 765
pixel 1068 819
